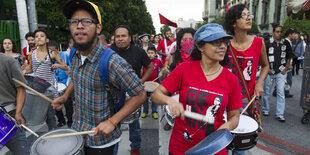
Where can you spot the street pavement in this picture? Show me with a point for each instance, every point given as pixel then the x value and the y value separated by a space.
pixel 289 138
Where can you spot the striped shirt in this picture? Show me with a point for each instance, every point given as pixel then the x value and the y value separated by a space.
pixel 90 104
pixel 42 69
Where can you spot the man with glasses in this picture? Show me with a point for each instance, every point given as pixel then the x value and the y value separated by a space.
pixel 91 107
pixel 279 61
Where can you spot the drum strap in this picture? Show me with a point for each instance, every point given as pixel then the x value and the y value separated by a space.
pixel 244 85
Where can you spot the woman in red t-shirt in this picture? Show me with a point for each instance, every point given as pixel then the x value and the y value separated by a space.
pixel 205 87
pixel 247 48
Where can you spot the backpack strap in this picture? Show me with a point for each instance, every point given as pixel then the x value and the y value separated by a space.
pixel 104 67
pixel 72 53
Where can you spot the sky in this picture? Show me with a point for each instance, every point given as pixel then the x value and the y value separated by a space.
pixel 174 9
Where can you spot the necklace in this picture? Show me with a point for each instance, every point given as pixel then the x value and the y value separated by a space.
pixel 214 72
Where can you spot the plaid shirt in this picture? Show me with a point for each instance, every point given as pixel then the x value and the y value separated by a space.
pixel 90 104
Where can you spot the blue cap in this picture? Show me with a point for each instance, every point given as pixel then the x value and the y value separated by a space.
pixel 210 32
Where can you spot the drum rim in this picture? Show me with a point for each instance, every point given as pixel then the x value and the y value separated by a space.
pixel 76 149
pixel 242 133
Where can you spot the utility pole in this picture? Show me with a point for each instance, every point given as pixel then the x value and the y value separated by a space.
pixel 22 21
pixel 32 15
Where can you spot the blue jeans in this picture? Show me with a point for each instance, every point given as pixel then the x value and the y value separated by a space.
pixel 135 134
pixel 289 80
pixel 146 106
pixel 18 143
pixel 280 82
pixel 51 119
pixel 236 152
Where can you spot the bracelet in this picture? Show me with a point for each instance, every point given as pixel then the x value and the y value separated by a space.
pixel 110 120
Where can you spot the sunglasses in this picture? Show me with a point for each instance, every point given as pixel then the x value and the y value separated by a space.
pixel 219 42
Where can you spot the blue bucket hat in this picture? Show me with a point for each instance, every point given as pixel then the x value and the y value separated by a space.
pixel 210 32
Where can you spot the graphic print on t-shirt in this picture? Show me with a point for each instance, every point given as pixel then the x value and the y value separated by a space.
pixel 246 64
pixel 198 100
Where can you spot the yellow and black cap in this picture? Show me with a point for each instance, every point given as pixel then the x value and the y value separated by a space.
pixel 73 5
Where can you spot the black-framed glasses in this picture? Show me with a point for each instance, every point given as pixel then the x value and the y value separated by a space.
pixel 219 42
pixel 84 21
pixel 247 16
pixel 279 31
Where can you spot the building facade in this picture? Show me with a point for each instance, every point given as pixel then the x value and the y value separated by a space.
pixel 267 13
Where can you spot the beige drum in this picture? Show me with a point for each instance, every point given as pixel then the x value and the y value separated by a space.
pixel 150 86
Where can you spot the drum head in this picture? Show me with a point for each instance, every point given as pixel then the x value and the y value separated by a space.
pixel 65 145
pixel 61 87
pixel 150 86
pixel 246 125
pixel 176 97
pixel 212 144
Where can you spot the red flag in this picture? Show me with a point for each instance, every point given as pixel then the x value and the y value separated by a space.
pixel 165 21
pixel 226 7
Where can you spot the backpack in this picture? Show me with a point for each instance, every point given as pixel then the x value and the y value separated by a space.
pixel 104 76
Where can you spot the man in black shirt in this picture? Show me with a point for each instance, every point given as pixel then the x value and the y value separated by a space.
pixel 136 57
pixel 279 58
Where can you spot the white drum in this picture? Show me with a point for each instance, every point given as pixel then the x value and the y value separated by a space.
pixel 168 116
pixel 133 116
pixel 245 134
pixel 61 88
pixel 73 145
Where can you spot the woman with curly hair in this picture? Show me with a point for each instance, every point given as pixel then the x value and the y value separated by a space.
pixel 246 48
pixel 9 47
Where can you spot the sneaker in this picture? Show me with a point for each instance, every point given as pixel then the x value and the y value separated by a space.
pixel 135 152
pixel 265 113
pixel 155 115
pixel 289 96
pixel 60 124
pixel 281 119
pixel 143 115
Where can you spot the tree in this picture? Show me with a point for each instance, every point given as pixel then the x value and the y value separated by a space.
pixel 300 25
pixel 114 12
pixel 254 29
pixel 164 29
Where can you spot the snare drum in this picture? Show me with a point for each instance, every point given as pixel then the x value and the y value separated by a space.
pixel 168 116
pixel 150 86
pixel 133 116
pixel 245 135
pixel 73 145
pixel 7 127
pixel 61 88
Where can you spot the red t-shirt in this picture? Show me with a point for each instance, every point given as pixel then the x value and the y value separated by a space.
pixel 199 95
pixel 248 61
pixel 25 52
pixel 161 46
pixel 157 66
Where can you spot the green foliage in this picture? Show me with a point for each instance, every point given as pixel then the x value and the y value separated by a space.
pixel 254 29
pixel 219 20
pixel 113 12
pixel 198 25
pixel 300 25
pixel 164 29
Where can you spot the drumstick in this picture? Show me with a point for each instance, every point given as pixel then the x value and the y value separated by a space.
pixel 69 134
pixel 32 132
pixel 248 104
pixel 24 85
pixel 197 116
pixel 155 79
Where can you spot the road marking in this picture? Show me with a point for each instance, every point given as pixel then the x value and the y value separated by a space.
pixel 285 143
